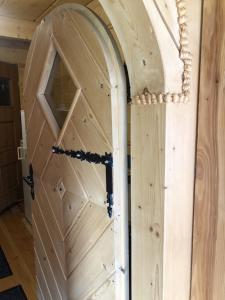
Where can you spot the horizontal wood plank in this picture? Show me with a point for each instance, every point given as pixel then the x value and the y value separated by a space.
pixel 15 28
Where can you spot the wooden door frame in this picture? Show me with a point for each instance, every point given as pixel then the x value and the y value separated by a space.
pixel 163 158
pixel 12 70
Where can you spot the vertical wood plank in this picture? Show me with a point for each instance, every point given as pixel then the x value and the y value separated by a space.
pixel 179 176
pixel 209 223
pixel 148 163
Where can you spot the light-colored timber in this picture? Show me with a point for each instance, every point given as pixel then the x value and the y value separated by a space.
pixel 31 10
pixel 186 57
pixel 163 158
pixel 16 28
pixel 19 18
pixel 79 250
pixel 209 223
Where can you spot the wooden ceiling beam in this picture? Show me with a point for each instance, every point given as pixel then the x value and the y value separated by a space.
pixel 15 28
pixel 58 3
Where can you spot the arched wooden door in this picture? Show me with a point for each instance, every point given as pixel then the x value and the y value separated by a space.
pixel 75 99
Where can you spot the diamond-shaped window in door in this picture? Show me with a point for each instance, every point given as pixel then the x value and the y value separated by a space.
pixel 60 91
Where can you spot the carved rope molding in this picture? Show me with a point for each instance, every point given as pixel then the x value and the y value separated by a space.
pixel 185 56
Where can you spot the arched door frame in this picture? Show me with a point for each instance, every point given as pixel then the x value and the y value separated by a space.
pixel 162 139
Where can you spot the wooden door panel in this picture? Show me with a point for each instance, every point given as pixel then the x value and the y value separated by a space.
pixel 91 180
pixel 72 206
pixel 106 291
pixel 85 30
pixel 6 115
pixel 55 203
pixel 94 269
pixel 84 66
pixel 9 176
pixel 93 139
pixel 50 180
pixel 42 287
pixel 43 150
pixel 10 135
pixel 44 262
pixel 8 198
pixel 51 223
pixel 37 122
pixel 69 178
pixel 7 137
pixel 35 65
pixel 74 234
pixel 30 61
pixel 81 237
pixel 7 156
pixel 54 262
pixel 90 131
pixel 53 178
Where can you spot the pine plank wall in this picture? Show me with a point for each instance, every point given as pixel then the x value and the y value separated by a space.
pixel 209 221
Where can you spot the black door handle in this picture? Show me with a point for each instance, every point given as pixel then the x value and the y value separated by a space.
pixel 30 181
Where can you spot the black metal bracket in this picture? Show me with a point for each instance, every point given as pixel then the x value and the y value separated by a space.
pixel 106 160
pixel 30 181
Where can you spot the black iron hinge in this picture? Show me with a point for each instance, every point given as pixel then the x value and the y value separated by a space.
pixel 106 160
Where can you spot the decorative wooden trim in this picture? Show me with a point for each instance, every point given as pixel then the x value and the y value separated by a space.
pixel 186 57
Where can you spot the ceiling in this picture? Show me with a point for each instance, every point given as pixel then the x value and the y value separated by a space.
pixel 31 10
pixel 19 18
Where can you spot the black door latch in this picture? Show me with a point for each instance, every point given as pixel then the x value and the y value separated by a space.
pixel 106 160
pixel 30 181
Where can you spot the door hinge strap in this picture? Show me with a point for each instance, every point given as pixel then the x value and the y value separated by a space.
pixel 106 160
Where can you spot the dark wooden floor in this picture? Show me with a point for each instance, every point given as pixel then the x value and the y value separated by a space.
pixel 17 244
